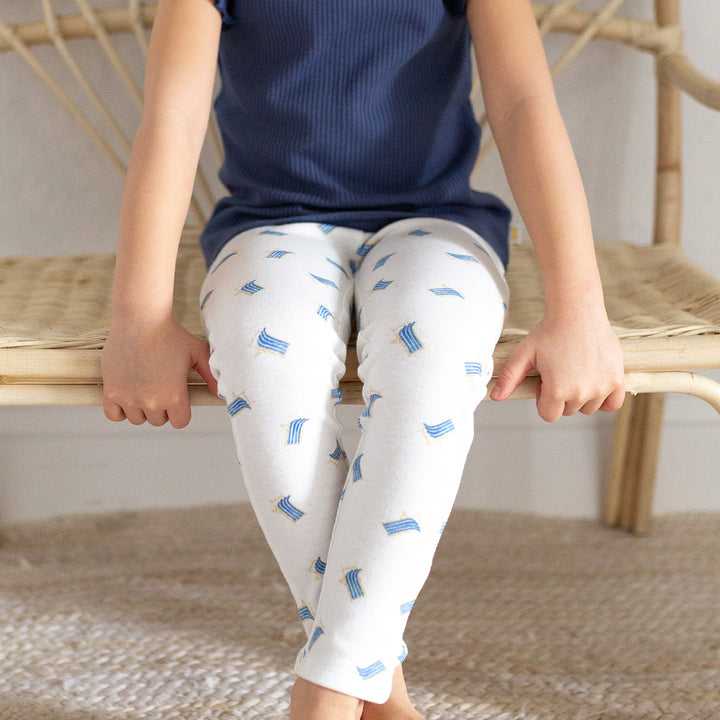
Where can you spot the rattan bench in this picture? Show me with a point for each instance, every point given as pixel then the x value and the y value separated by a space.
pixel 54 311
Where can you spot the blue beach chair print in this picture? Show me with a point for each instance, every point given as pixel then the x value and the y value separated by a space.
pixel 382 284
pixel 316 634
pixel 205 299
pixel 473 368
pixel 237 405
pixel 324 281
pixel 446 291
pixel 419 233
pixel 399 526
pixel 272 232
pixel 323 312
pixel 406 607
pixel 249 288
pixel 464 258
pixel 326 228
pixel 287 508
pixel 223 260
pixel 409 339
pixel 266 341
pixel 338 453
pixel 357 471
pixel 294 429
pixel 352 580
pixel 319 566
pixel 305 613
pixel 336 395
pixel 437 431
pixel 383 260
pixel 371 670
pixel 338 266
pixel 277 254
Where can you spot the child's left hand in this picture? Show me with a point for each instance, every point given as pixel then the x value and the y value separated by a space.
pixel 580 363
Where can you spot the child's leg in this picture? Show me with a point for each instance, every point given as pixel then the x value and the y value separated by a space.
pixel 431 305
pixel 276 306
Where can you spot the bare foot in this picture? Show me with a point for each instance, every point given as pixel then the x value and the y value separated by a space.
pixel 398 707
pixel 309 701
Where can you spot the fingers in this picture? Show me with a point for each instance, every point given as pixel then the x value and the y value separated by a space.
pixel 201 363
pixel 554 402
pixel 516 368
pixel 156 413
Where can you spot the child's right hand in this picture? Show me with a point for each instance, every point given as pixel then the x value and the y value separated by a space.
pixel 145 369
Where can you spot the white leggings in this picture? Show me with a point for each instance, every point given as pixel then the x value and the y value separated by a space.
pixel 354 537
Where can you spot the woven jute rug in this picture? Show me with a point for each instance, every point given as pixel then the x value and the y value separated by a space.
pixel 183 614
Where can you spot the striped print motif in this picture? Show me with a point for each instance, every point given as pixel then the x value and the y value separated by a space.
pixel 405 608
pixel 316 634
pixel 336 395
pixel 324 313
pixel 398 526
pixel 266 341
pixel 352 580
pixel 338 453
pixel 272 232
pixel 238 404
pixel 374 397
pixel 319 566
pixel 323 280
pixel 326 228
pixel 371 670
pixel 338 266
pixel 443 428
pixel 227 257
pixel 382 284
pixel 409 339
pixel 445 291
pixel 287 508
pixel 473 368
pixel 205 299
pixel 382 261
pixel 357 471
pixel 464 258
pixel 419 233
pixel 277 254
pixel 305 613
pixel 294 430
pixel 250 288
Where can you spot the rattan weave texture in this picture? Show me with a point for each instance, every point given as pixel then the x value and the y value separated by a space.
pixel 161 615
pixel 62 302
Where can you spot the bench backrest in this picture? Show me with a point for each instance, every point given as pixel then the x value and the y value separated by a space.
pixel 121 30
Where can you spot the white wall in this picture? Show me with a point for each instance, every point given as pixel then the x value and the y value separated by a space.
pixel 59 196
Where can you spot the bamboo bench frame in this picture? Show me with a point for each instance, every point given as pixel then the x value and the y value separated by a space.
pixel 45 370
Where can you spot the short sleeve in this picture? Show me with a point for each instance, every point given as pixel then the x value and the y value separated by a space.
pixel 226 10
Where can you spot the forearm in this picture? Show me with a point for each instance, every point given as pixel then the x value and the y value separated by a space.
pixel 156 197
pixel 546 184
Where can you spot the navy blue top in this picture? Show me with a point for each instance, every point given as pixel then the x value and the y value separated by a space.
pixel 347 112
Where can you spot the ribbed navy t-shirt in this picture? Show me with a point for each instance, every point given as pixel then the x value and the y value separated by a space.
pixel 347 112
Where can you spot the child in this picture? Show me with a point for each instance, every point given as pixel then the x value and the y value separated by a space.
pixel 349 143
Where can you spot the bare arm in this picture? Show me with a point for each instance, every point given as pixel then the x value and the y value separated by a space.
pixel 147 356
pixel 573 348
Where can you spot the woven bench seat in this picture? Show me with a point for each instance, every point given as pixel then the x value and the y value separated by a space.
pixel 665 310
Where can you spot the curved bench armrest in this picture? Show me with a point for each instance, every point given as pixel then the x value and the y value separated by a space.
pixel 677 69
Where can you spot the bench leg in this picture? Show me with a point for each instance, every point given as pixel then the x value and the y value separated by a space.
pixel 636 445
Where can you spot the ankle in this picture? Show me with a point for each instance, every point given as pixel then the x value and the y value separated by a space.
pixel 309 701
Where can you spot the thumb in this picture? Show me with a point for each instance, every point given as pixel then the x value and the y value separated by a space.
pixel 516 368
pixel 201 363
